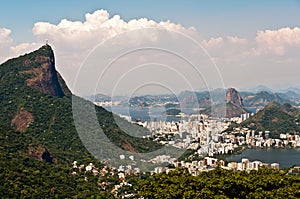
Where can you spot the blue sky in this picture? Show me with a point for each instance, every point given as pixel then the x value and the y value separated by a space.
pixel 210 17
pixel 252 42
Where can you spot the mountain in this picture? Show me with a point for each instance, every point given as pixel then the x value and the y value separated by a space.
pixel 38 138
pixel 151 100
pixel 276 118
pixel 233 97
pixel 290 94
pixel 259 88
pixel 293 97
pixel 261 99
pixel 232 108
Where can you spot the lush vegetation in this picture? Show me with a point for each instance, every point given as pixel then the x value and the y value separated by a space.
pixel 53 129
pixel 220 183
pixel 275 118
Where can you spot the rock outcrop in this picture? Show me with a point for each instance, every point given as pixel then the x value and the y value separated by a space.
pixel 44 75
pixel 233 97
pixel 22 120
pixel 40 153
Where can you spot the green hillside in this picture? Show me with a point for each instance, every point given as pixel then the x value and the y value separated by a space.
pixel 275 118
pixel 38 138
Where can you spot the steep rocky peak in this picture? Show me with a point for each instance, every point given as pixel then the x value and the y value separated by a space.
pixel 233 97
pixel 41 65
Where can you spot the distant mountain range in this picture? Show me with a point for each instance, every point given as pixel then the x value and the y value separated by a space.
pixel 261 99
pixel 260 88
pixel 252 101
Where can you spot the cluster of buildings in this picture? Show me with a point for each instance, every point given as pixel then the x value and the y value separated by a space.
pixel 106 172
pixel 210 163
pixel 108 103
pixel 248 137
pixel 210 137
pixel 206 137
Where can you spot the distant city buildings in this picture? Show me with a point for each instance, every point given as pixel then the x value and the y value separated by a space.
pixel 207 137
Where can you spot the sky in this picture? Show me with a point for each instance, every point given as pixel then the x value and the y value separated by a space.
pixel 207 44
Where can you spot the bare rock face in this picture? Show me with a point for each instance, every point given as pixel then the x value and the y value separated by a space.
pixel 233 97
pixel 40 153
pixel 22 120
pixel 44 77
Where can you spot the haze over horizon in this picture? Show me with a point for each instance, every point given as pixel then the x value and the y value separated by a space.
pixel 248 43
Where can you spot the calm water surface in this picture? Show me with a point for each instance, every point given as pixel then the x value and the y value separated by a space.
pixel 285 157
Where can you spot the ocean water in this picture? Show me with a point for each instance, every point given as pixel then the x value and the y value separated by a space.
pixel 143 114
pixel 285 157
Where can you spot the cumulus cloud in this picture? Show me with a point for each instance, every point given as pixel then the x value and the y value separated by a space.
pixel 7 48
pixel 73 40
pixel 277 41
pixel 5 38
pixel 24 48
pixel 219 44
pixel 5 42
pixel 226 48
pixel 236 40
pixel 213 43
pixel 96 28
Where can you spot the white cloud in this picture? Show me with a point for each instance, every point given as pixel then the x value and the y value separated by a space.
pixel 73 40
pixel 5 42
pixel 7 49
pixel 227 49
pixel 213 43
pixel 24 48
pixel 236 40
pixel 5 38
pixel 96 28
pixel 277 41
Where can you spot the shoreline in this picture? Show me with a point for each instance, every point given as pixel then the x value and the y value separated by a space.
pixel 241 149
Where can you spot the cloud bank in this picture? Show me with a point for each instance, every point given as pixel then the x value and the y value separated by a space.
pixel 73 40
pixel 96 28
pixel 278 42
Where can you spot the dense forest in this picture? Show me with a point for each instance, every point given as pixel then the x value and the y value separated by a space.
pixel 220 183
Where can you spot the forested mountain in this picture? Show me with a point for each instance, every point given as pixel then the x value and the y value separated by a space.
pixel 38 137
pixel 276 118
